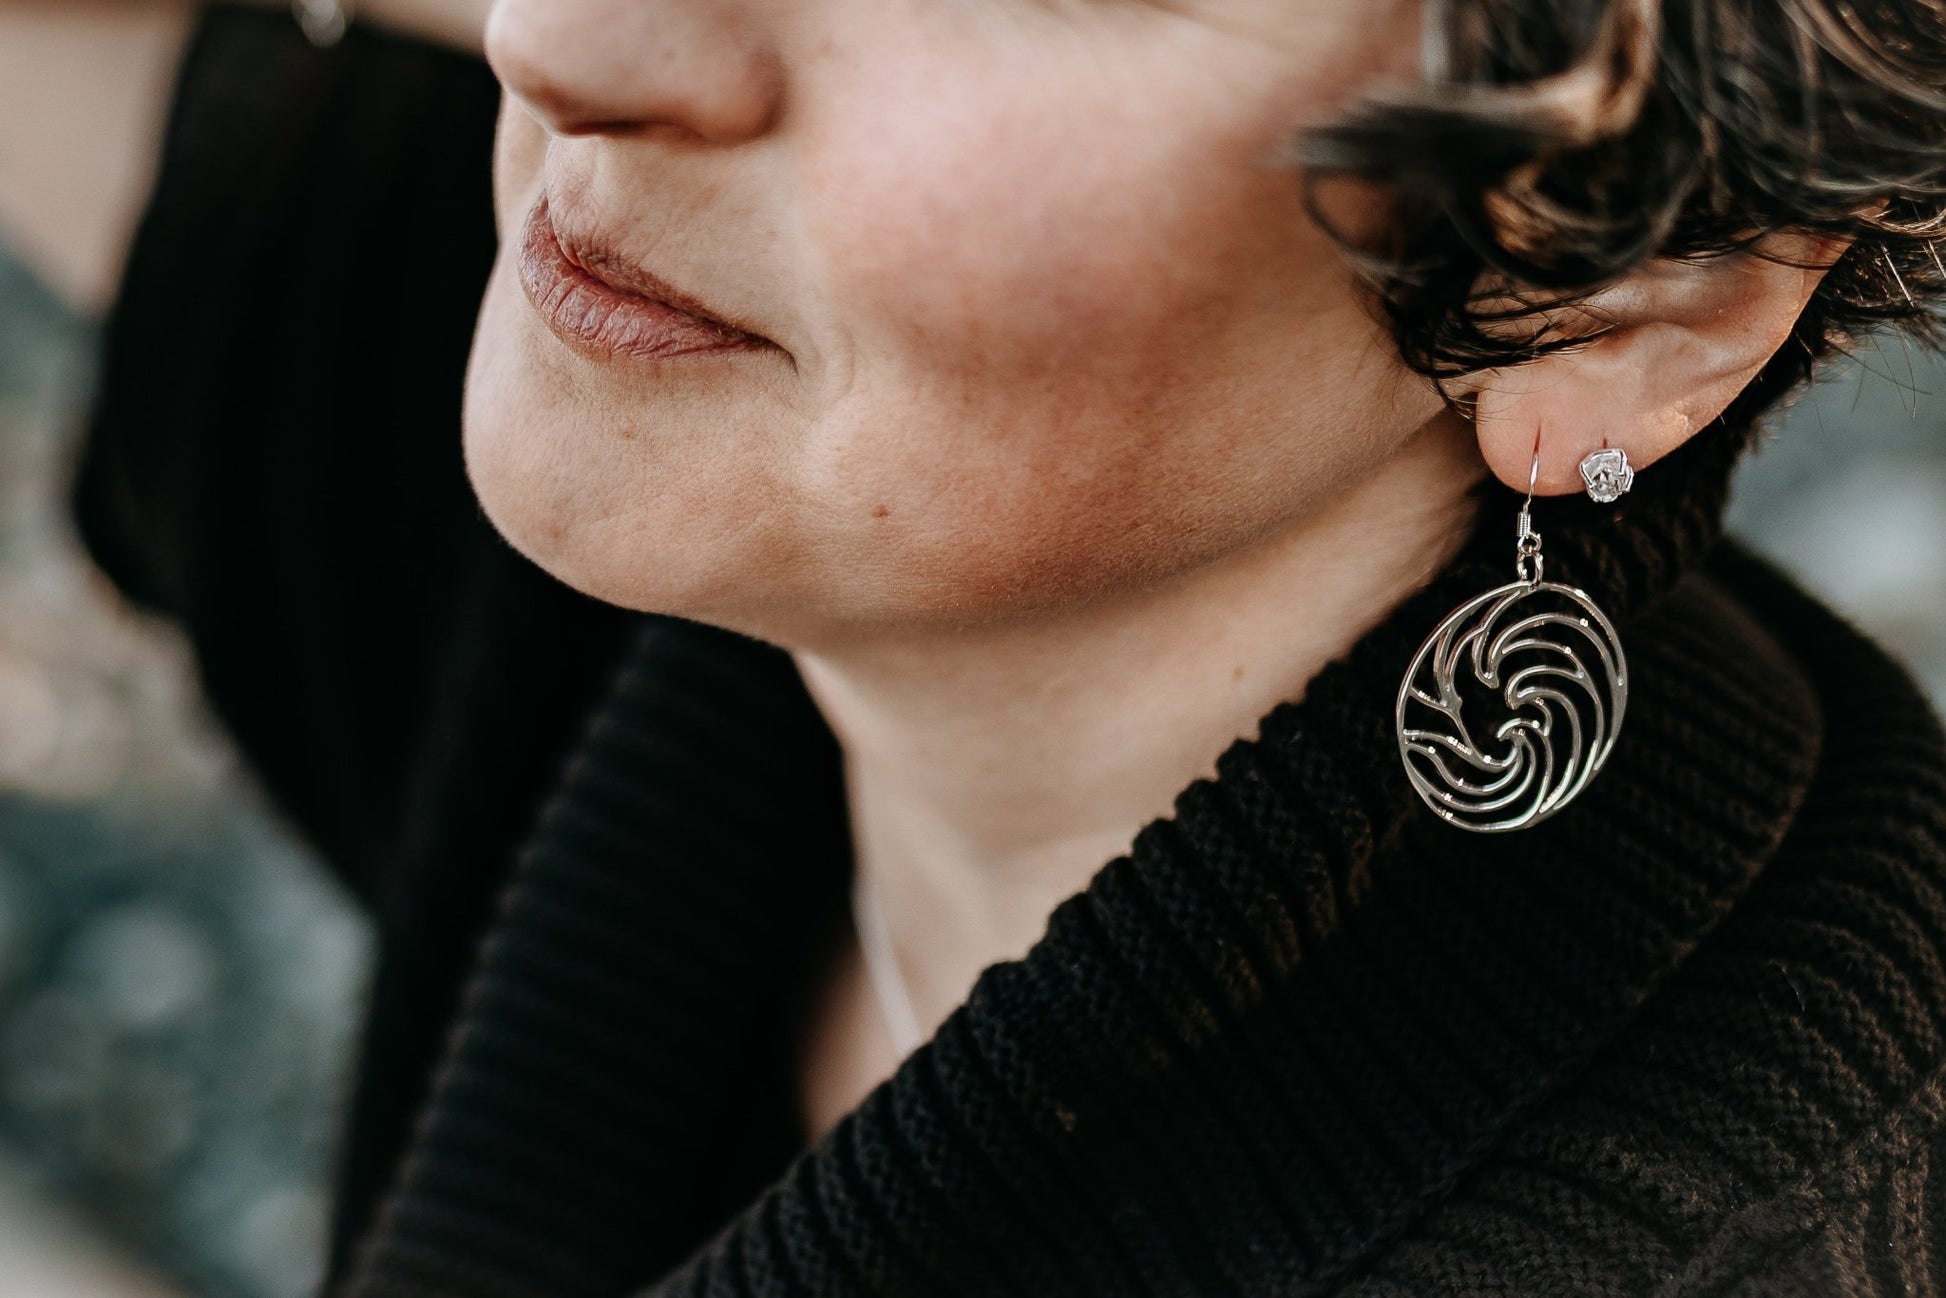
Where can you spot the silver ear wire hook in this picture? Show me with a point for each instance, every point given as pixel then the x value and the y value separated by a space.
pixel 1527 545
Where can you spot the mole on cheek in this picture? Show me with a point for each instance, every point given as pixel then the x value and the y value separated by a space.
pixel 880 511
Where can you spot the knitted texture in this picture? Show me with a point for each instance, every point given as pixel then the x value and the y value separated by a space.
pixel 1304 1038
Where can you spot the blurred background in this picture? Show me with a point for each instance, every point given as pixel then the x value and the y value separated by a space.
pixel 180 979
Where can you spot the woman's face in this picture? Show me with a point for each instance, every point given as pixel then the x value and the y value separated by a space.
pixel 1042 318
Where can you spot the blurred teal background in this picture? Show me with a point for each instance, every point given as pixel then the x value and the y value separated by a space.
pixel 179 980
pixel 1849 492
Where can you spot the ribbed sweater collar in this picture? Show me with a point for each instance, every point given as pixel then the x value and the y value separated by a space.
pixel 1246 1055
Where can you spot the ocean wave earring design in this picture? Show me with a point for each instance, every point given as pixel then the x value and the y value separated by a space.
pixel 1514 702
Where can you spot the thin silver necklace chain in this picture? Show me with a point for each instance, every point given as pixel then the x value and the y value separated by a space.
pixel 882 963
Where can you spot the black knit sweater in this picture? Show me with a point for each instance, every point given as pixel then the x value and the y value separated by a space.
pixel 1686 1037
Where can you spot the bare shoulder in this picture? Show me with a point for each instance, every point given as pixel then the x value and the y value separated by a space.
pixel 85 87
pixel 84 91
pixel 458 23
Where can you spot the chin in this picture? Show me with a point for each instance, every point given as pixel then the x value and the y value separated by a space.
pixel 593 505
pixel 696 568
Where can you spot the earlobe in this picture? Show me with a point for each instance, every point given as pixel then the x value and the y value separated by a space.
pixel 1676 343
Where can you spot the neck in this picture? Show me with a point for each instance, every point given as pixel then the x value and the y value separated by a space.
pixel 993 771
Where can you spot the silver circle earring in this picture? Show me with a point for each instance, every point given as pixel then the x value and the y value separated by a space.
pixel 1552 688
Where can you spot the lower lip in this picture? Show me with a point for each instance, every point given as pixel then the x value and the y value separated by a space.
pixel 602 321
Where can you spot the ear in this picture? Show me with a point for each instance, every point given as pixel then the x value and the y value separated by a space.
pixel 1678 341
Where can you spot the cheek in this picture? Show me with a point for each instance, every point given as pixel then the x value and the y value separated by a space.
pixel 519 151
pixel 1020 252
pixel 1096 360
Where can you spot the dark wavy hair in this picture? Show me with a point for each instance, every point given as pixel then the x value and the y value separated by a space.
pixel 1559 143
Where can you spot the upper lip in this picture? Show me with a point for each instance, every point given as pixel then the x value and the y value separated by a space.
pixel 596 257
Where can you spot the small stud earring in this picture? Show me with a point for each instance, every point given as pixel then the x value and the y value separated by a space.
pixel 1607 473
